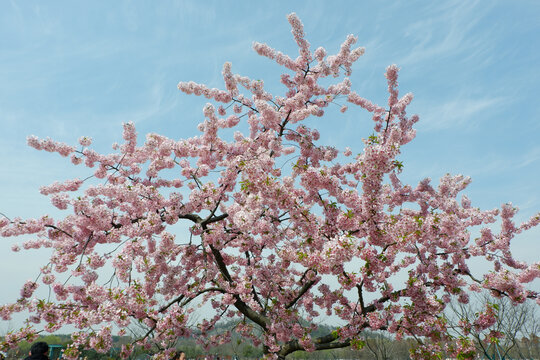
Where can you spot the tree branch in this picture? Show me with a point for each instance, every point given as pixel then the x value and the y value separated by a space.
pixel 302 291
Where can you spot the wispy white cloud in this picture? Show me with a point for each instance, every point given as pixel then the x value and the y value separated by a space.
pixel 459 112
pixel 530 157
pixel 448 29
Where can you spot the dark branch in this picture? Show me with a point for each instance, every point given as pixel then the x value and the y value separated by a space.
pixel 58 229
pixel 302 291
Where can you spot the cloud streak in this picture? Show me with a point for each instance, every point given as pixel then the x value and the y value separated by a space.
pixel 447 29
pixel 460 112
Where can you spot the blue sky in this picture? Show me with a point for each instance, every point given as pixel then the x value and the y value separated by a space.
pixel 69 69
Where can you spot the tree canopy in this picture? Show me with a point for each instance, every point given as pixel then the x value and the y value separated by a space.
pixel 282 229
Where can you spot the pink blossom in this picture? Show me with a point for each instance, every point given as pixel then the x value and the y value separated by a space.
pixel 28 289
pixel 85 141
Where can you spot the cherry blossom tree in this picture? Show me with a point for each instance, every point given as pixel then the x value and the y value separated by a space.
pixel 269 244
